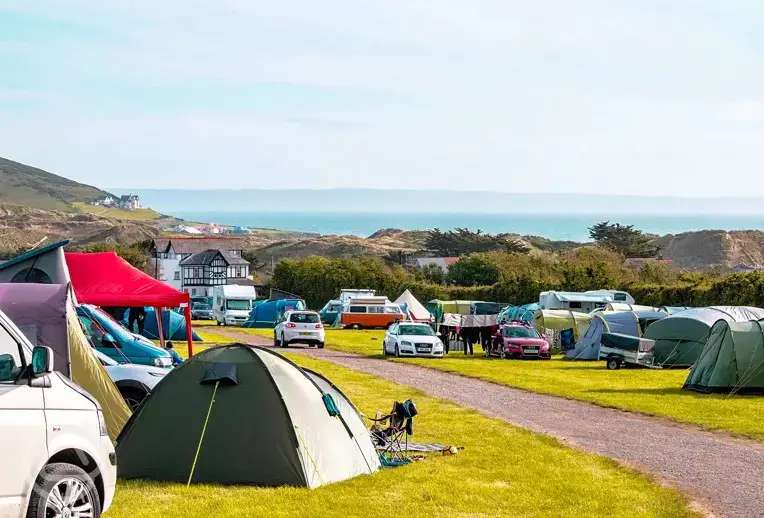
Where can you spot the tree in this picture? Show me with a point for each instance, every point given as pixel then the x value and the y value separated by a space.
pixel 624 239
pixel 431 273
pixel 255 265
pixel 473 270
pixel 136 254
pixel 454 243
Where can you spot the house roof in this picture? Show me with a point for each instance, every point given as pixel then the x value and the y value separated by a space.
pixel 206 257
pixel 443 262
pixel 194 245
pixel 33 253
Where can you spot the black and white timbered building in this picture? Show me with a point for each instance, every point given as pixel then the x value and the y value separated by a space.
pixel 202 271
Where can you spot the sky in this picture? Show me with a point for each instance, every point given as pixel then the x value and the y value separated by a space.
pixel 651 97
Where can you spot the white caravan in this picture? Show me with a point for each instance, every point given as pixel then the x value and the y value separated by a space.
pixel 58 459
pixel 346 295
pixel 231 304
pixel 582 302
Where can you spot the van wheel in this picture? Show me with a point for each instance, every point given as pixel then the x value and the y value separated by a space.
pixel 321 345
pixel 217 322
pixel 356 326
pixel 133 397
pixel 59 481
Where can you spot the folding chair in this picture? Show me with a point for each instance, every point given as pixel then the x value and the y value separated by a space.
pixel 391 441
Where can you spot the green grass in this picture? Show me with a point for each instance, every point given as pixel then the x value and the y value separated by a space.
pixel 656 392
pixel 135 215
pixel 503 471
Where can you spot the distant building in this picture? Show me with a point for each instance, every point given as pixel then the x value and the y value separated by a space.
pixel 203 271
pixel 167 254
pixel 106 202
pixel 129 202
pixel 443 262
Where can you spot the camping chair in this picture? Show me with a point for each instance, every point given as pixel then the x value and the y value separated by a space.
pixel 392 441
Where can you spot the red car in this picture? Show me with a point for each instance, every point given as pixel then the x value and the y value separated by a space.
pixel 519 340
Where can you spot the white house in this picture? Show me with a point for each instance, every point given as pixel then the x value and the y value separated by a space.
pixel 129 202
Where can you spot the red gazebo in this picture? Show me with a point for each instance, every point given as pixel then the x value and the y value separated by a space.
pixel 105 279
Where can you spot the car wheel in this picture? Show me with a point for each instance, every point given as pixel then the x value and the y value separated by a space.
pixel 64 490
pixel 397 351
pixel 503 354
pixel 613 364
pixel 133 397
pixel 321 345
pixel 284 343
pixel 217 322
pixel 276 342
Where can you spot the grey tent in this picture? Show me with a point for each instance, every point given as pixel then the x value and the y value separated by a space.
pixel 240 414
pixel 632 323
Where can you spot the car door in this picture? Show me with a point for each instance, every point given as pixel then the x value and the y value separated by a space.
pixel 22 427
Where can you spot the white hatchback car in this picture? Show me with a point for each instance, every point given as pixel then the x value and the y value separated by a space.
pixel 412 339
pixel 58 459
pixel 134 381
pixel 300 327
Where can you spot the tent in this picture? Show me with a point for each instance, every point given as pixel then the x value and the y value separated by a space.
pixel 620 306
pixel 239 414
pixel 670 310
pixel 414 308
pixel 173 325
pixel 561 319
pixel 524 312
pixel 105 279
pixel 732 360
pixel 45 314
pixel 632 323
pixel 266 313
pixel 680 338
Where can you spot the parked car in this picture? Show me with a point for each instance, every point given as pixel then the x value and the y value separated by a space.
pixel 115 341
pixel 53 435
pixel 412 339
pixel 201 311
pixel 300 327
pixel 518 340
pixel 133 381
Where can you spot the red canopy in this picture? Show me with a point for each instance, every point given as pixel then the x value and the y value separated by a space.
pixel 105 279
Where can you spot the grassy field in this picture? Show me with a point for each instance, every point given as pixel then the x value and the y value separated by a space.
pixel 656 392
pixel 135 215
pixel 503 471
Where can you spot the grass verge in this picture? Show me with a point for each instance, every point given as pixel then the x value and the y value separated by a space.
pixel 134 215
pixel 503 471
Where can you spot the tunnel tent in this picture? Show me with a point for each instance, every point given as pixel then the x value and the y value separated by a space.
pixel 631 323
pixel 560 320
pixel 45 314
pixel 524 312
pixel 732 360
pixel 681 337
pixel 265 314
pixel 241 414
pixel 620 306
pixel 670 310
pixel 488 308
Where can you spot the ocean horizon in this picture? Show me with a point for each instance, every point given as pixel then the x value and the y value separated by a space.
pixel 558 227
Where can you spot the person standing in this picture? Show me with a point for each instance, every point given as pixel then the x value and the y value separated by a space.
pixel 138 315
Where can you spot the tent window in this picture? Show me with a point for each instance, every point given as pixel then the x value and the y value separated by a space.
pixel 33 276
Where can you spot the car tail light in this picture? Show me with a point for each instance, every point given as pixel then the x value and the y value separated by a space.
pixel 290 325
pixel 319 326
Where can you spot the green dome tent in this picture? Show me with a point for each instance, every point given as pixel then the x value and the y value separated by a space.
pixel 732 360
pixel 680 338
pixel 239 414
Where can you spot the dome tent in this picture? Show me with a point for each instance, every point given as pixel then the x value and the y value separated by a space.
pixel 632 323
pixel 732 360
pixel 240 414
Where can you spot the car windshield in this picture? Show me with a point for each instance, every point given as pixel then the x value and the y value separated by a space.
pixel 199 306
pixel 520 332
pixel 116 329
pixel 416 330
pixel 304 318
pixel 240 305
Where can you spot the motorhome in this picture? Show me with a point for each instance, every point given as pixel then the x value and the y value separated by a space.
pixel 582 302
pixel 232 304
pixel 370 313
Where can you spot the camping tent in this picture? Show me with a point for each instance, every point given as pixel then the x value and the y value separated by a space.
pixel 620 306
pixel 105 279
pixel 266 313
pixel 561 319
pixel 173 325
pixel 680 338
pixel 414 308
pixel 45 314
pixel 731 361
pixel 488 308
pixel 244 415
pixel 631 323
pixel 670 310
pixel 524 312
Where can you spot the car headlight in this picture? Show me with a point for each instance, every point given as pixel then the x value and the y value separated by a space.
pixel 404 342
pixel 162 361
pixel 102 423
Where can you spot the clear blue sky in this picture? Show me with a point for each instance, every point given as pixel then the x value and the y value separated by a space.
pixel 637 97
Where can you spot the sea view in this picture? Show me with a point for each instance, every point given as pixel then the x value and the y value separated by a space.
pixel 553 226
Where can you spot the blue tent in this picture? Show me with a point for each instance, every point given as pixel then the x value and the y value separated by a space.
pixel 632 323
pixel 267 313
pixel 524 312
pixel 330 312
pixel 173 324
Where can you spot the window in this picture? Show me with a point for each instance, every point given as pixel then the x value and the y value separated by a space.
pixel 32 276
pixel 416 331
pixel 240 305
pixel 574 305
pixel 304 318
pixel 177 276
pixel 93 330
pixel 520 332
pixel 10 357
pixel 619 297
pixel 393 310
pixel 376 309
pixel 193 291
pixel 394 329
pixel 357 309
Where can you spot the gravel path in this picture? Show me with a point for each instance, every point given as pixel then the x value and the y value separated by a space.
pixel 723 475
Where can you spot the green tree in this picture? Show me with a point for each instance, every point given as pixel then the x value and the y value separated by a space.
pixel 624 239
pixel 431 273
pixel 455 243
pixel 136 254
pixel 473 270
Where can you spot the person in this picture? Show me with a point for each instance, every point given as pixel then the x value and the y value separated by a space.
pixel 137 315
pixel 445 336
pixel 176 359
pixel 467 338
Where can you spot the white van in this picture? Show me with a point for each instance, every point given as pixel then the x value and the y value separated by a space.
pixel 231 304
pixel 58 459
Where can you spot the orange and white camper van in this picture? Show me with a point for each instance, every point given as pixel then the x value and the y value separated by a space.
pixel 370 313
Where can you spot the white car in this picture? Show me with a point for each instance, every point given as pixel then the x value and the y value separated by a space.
pixel 134 381
pixel 412 339
pixel 58 459
pixel 300 327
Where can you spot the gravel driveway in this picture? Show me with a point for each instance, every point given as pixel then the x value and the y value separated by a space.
pixel 724 476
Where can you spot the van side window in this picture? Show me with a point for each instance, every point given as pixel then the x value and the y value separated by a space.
pixel 620 297
pixel 358 309
pixel 376 309
pixel 10 357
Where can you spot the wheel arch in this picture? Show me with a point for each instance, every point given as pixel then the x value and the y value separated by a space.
pixel 83 460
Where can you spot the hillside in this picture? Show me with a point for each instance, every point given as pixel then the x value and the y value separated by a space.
pixel 25 185
pixel 737 250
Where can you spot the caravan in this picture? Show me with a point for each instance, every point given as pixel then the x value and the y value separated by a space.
pixel 232 304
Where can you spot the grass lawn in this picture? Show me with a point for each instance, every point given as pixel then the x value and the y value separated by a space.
pixel 135 215
pixel 503 471
pixel 656 392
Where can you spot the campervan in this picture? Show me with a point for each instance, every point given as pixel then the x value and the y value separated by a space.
pixel 232 304
pixel 346 295
pixel 370 312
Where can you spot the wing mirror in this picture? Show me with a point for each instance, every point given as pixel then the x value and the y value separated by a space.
pixel 109 341
pixel 42 361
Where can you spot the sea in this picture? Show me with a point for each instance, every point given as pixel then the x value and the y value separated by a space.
pixel 557 227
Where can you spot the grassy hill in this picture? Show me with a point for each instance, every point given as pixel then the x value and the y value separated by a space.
pixel 25 185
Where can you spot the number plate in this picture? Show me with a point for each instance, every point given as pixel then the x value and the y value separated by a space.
pixel 531 350
pixel 305 334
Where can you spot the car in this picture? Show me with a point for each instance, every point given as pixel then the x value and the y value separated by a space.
pixel 54 437
pixel 518 340
pixel 133 381
pixel 201 311
pixel 412 339
pixel 115 341
pixel 299 327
